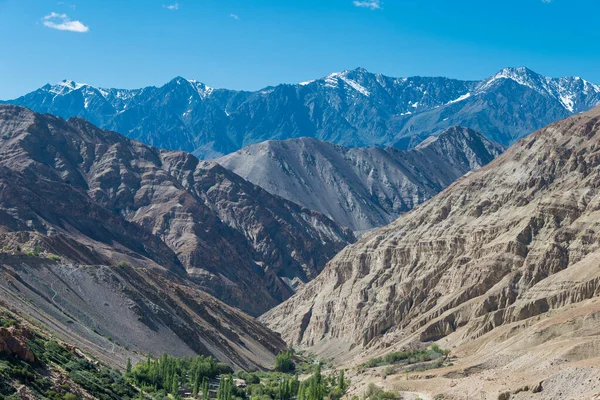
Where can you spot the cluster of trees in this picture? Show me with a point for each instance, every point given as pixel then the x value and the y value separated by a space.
pixel 313 388
pixel 317 387
pixel 287 388
pixel 228 390
pixel 278 386
pixel 170 374
pixel 408 357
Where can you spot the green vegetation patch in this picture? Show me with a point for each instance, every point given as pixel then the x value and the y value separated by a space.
pixel 409 357
pixel 163 378
pixel 51 357
pixel 170 374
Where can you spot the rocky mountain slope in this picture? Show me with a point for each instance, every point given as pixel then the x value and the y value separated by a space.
pixel 34 365
pixel 361 188
pixel 120 312
pixel 102 236
pixel 236 240
pixel 351 108
pixel 502 266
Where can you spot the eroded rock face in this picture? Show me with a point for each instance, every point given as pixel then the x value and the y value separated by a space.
pixel 13 341
pixel 518 238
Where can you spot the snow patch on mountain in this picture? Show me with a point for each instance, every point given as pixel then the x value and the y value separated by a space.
pixel 567 101
pixel 203 90
pixel 332 81
pixel 589 87
pixel 461 98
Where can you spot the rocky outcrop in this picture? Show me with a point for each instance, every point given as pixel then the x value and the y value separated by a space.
pixel 357 187
pixel 13 341
pixel 516 239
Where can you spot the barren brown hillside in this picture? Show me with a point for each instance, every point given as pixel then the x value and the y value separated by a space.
pixel 501 267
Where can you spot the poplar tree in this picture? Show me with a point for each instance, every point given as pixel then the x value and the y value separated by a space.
pixel 205 388
pixel 175 385
pixel 341 382
pixel 301 392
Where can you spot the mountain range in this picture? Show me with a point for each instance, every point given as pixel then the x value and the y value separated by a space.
pixel 351 108
pixel 501 268
pixel 361 188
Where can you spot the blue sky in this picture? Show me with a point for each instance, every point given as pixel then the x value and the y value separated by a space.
pixel 249 44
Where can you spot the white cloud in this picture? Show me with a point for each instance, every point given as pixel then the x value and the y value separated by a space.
pixel 173 7
pixel 546 1
pixel 62 22
pixel 371 4
pixel 234 16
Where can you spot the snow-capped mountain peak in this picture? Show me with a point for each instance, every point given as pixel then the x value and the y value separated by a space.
pixel 588 87
pixel 202 89
pixel 65 86
pixel 118 98
pixel 522 75
pixel 565 90
pixel 333 81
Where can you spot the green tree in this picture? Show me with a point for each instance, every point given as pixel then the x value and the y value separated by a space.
pixel 195 385
pixel 316 386
pixel 288 387
pixel 341 383
pixel 283 362
pixel 175 385
pixel 301 392
pixel 225 390
pixel 128 368
pixel 204 388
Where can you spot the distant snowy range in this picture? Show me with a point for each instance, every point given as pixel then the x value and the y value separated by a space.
pixel 358 147
pixel 351 108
